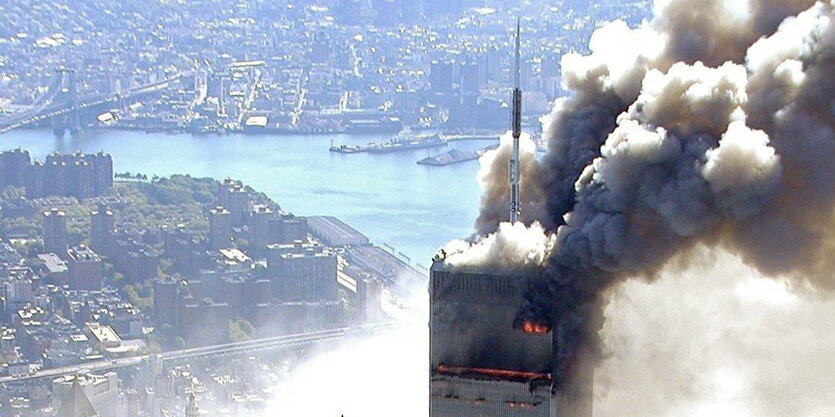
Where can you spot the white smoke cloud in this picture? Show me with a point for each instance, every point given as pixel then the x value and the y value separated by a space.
pixel 692 99
pixel 795 38
pixel 611 66
pixel 742 171
pixel 375 376
pixel 513 246
pixel 715 338
pixel 778 64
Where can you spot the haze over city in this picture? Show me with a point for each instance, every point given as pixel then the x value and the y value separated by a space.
pixel 442 208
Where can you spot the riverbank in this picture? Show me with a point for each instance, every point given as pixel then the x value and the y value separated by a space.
pixel 389 197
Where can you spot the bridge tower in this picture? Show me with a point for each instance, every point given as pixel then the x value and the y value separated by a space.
pixel 69 90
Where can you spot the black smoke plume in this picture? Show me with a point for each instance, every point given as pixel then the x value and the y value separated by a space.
pixel 710 125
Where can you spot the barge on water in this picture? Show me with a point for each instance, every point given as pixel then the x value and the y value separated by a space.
pixel 404 141
pixel 347 148
pixel 454 156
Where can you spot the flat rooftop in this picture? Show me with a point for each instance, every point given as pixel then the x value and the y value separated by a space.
pixel 53 263
pixel 492 270
pixel 103 334
pixel 386 267
pixel 234 255
pixel 82 254
pixel 335 232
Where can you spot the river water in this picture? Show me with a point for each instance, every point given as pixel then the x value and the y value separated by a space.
pixel 388 197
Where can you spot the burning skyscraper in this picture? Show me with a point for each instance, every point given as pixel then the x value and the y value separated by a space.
pixel 711 128
pixel 485 360
pixel 480 364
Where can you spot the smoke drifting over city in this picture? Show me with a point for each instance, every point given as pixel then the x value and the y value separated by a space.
pixel 711 125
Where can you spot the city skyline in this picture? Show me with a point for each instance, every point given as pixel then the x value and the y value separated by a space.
pixel 557 208
pixel 288 74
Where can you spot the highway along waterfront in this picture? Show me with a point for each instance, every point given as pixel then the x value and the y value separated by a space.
pixel 388 197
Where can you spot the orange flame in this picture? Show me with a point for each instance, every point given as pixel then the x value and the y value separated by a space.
pixel 535 328
pixel 498 373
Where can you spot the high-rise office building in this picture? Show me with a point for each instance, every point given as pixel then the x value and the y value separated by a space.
pixel 269 227
pixel 102 164
pixel 481 365
pixel 35 180
pixel 84 269
pixel 165 301
pixel 288 229
pixel 79 175
pixel 238 204
pixel 223 190
pixel 302 272
pixel 81 179
pixel 12 165
pixel 101 230
pixel 56 178
pixel 220 228
pixel 55 232
pixel 261 216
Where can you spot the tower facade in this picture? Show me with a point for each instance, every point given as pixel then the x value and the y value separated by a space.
pixel 55 232
pixel 481 365
pixel 101 230
pixel 12 165
pixel 85 269
pixel 220 228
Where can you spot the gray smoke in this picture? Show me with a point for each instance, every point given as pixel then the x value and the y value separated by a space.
pixel 493 178
pixel 713 124
pixel 712 337
pixel 718 31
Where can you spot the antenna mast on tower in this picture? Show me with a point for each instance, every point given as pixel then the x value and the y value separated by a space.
pixel 515 204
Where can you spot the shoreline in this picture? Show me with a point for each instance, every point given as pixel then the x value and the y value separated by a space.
pixel 449 136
